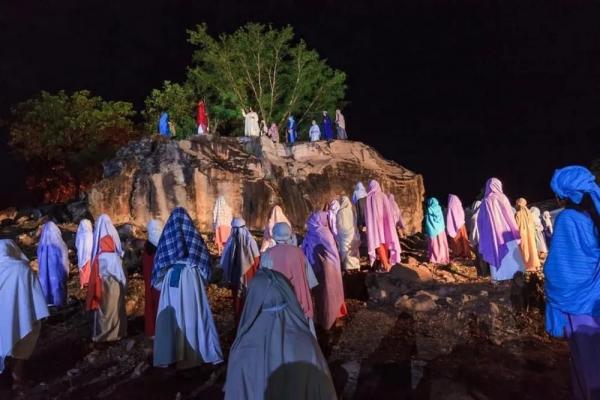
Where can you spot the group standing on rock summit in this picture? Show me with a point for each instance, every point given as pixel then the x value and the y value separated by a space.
pixel 288 292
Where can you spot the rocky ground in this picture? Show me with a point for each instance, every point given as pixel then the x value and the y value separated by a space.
pixel 419 332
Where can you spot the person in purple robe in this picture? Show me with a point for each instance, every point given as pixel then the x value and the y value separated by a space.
pixel 327 129
pixel 498 233
pixel 53 261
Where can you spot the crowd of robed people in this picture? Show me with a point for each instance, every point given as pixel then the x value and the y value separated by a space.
pixel 328 129
pixel 283 293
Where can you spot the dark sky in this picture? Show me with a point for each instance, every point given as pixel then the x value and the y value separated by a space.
pixel 458 91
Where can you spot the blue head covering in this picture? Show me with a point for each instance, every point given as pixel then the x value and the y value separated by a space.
pixel 434 218
pixel 572 278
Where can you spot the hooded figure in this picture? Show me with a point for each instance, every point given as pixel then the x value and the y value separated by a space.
pixel 473 230
pixel 202 118
pixel 274 355
pixel 322 254
pixel 239 262
pixel 347 238
pixel 222 217
pixel 397 214
pixel 382 236
pixel 526 226
pixel 53 260
pixel 435 229
pixel 22 306
pixel 540 240
pixel 107 286
pixel 274 133
pixel 152 296
pixel 276 217
pixel 327 127
pixel 359 200
pixel 185 330
pixel 332 209
pixel 291 129
pixel 457 228
pixel 251 127
pixel 84 241
pixel 548 226
pixel 572 278
pixel 163 125
pixel 498 233
pixel 340 123
pixel 314 132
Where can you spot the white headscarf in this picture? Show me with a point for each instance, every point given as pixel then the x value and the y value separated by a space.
pixel 84 241
pixel 103 227
pixel 155 228
pixel 222 214
pixel 547 218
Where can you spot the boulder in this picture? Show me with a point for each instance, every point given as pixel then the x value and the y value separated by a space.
pixel 410 274
pixel 150 177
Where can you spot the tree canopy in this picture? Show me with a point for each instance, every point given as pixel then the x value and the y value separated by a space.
pixel 256 67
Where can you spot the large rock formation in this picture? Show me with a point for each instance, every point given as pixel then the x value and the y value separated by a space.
pixel 147 179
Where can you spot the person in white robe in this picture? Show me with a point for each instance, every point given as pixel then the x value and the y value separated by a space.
pixel 251 127
pixel 314 132
pixel 84 241
pixel 275 217
pixel 22 307
pixel 347 237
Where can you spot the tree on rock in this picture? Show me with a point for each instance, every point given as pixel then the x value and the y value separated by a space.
pixel 65 137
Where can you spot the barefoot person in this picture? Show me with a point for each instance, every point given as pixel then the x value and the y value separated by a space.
pixel 22 307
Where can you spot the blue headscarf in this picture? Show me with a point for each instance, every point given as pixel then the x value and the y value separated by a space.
pixel 434 218
pixel 572 270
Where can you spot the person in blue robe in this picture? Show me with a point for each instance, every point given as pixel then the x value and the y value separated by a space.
pixel 53 261
pixel 291 130
pixel 163 124
pixel 327 129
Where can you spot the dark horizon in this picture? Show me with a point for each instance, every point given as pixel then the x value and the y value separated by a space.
pixel 456 92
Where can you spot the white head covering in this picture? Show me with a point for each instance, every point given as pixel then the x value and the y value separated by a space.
pixel 84 241
pixel 103 227
pixel 155 228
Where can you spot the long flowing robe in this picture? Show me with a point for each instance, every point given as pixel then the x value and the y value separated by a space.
pixel 152 295
pixel 548 226
pixel 202 119
pixel 292 126
pixel 340 123
pixel 22 304
pixel 185 329
pixel 527 232
pixel 347 238
pixel 540 240
pixel 222 217
pixel 437 243
pixel 332 210
pixel 84 241
pixel 327 128
pixel 251 127
pixel 498 233
pixel 473 229
pixel 397 214
pixel 456 228
pixel 53 260
pixel 572 279
pixel 381 229
pixel 275 355
pixel 314 133
pixel 322 254
pixel 275 217
pixel 107 285
pixel 163 124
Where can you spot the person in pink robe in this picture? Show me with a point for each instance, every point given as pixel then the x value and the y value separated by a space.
pixel 457 229
pixel 382 236
pixel 435 230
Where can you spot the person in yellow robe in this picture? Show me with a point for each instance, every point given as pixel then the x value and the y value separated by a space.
pixel 526 225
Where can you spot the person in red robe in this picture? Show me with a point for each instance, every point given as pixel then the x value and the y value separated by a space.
pixel 202 118
pixel 152 296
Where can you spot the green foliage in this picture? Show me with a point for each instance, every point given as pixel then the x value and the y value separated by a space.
pixel 256 67
pixel 179 101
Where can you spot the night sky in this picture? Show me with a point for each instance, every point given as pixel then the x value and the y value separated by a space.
pixel 457 91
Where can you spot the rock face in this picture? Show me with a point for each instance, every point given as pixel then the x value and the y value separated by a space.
pixel 147 179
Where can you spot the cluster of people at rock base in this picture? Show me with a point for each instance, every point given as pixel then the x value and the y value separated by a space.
pixel 273 286
pixel 253 128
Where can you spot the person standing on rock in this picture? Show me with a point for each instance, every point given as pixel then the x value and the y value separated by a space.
pixel 164 124
pixel 274 355
pixel 53 261
pixel 22 307
pixel 286 258
pixel 340 123
pixel 548 227
pixel 572 278
pixel 321 251
pixel 202 118
pixel 152 295
pixel 273 132
pixel 456 228
pixel 222 217
pixel 84 241
pixel 396 215
pixel 276 217
pixel 314 133
pixel 185 330
pixel 435 230
pixel 240 262
pixel 498 233
pixel 526 226
pixel 382 237
pixel 108 284
pixel 347 238
pixel 359 200
pixel 327 127
pixel 251 127
pixel 292 128
pixel 540 240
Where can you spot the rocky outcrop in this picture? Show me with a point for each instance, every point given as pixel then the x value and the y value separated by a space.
pixel 147 179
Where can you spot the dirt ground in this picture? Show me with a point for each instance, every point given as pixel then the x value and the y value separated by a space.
pixel 453 336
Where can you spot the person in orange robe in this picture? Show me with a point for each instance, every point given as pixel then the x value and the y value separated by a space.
pixel 457 229
pixel 526 225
